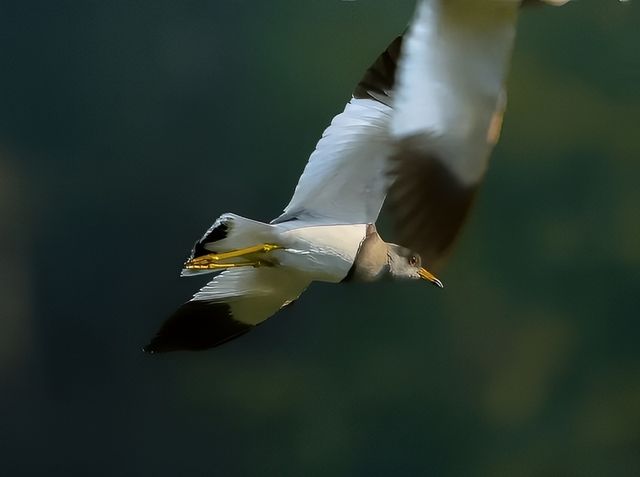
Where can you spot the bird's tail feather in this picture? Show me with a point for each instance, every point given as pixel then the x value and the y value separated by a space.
pixel 230 232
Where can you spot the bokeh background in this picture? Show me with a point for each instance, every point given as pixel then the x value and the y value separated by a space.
pixel 127 127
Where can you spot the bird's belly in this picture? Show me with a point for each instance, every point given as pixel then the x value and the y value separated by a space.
pixel 323 252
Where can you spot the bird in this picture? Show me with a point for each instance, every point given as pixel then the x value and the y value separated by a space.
pixel 415 136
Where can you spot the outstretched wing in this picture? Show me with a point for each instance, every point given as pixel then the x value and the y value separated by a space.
pixel 345 180
pixel 230 305
pixel 420 127
pixel 448 104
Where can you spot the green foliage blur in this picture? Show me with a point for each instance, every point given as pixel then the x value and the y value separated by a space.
pixel 127 127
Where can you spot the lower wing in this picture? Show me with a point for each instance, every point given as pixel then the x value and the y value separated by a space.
pixel 230 305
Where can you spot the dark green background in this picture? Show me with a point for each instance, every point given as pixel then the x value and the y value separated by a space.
pixel 127 127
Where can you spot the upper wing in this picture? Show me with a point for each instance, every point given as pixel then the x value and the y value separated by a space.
pixel 231 304
pixel 448 104
pixel 345 180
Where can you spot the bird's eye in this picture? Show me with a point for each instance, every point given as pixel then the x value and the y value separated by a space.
pixel 413 260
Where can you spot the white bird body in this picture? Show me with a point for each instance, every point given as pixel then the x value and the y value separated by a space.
pixel 322 252
pixel 419 128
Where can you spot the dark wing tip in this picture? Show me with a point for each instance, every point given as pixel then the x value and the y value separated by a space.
pixel 379 78
pixel 197 325
pixel 428 201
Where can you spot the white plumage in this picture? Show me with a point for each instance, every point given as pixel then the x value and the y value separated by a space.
pixel 254 294
pixel 451 77
pixel 344 181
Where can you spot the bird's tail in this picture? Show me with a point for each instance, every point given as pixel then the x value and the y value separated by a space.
pixel 230 232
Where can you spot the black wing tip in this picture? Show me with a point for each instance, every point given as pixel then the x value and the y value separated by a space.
pixel 379 78
pixel 196 326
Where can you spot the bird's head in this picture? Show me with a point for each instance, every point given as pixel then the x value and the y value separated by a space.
pixel 404 263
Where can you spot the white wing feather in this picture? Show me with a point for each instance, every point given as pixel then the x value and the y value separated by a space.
pixel 254 294
pixel 345 180
pixel 450 79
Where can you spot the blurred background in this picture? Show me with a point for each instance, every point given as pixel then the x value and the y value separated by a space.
pixel 124 129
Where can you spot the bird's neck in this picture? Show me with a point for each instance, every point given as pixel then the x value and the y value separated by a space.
pixel 371 262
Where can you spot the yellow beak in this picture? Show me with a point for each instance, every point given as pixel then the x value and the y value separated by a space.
pixel 427 275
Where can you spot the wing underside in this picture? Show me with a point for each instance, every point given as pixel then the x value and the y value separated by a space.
pixel 448 103
pixel 346 178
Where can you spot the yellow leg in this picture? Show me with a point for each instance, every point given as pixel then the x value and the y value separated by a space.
pixel 214 261
pixel 215 266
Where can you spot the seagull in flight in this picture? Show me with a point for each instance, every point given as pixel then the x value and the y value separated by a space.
pixel 417 133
